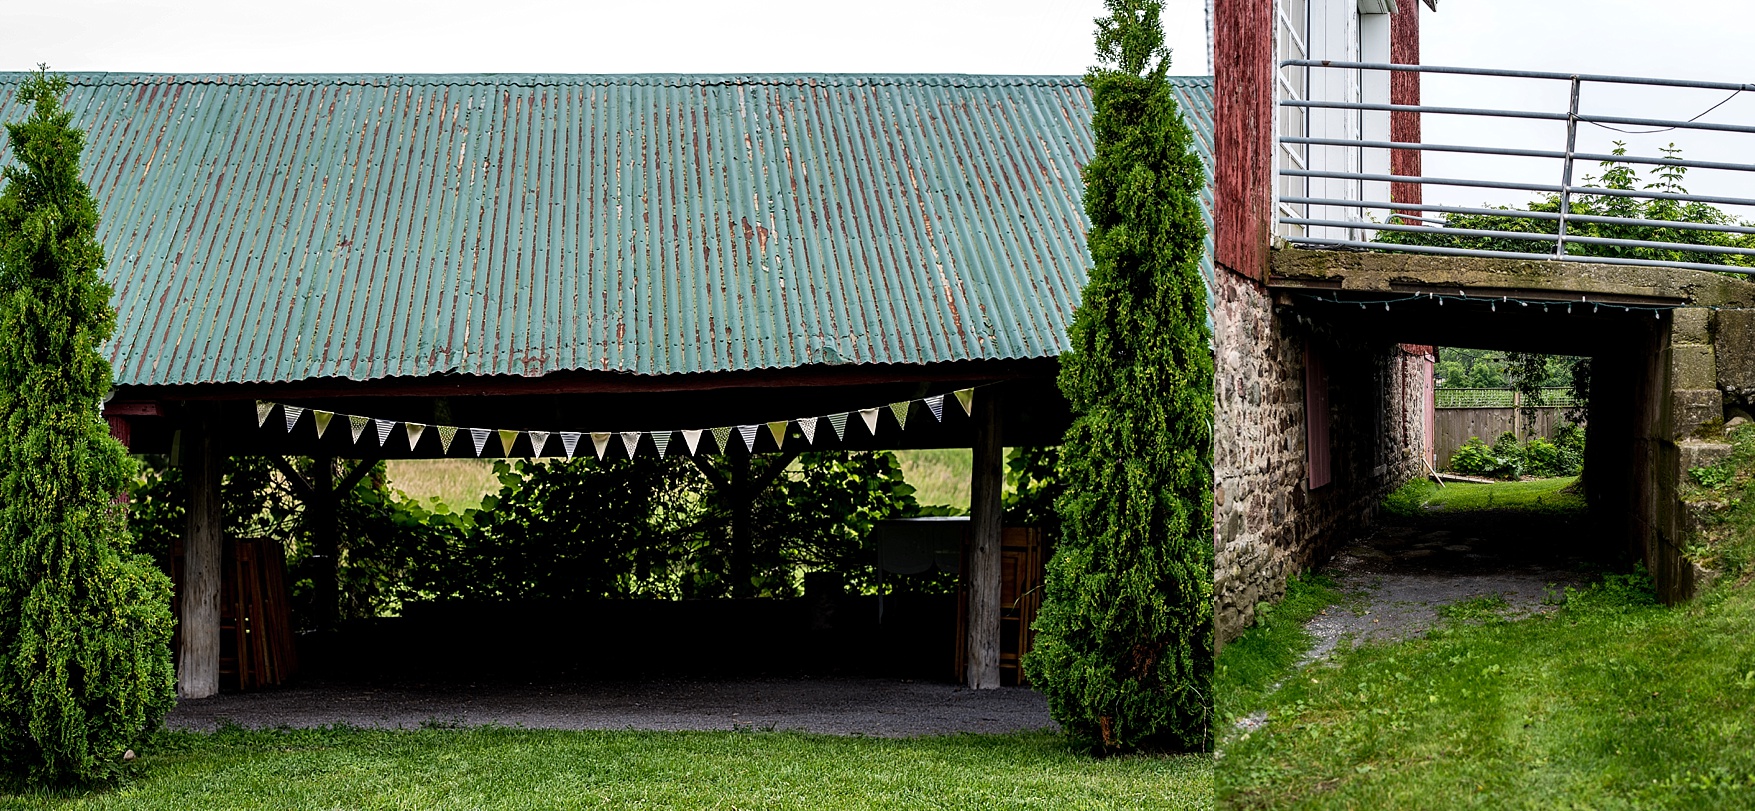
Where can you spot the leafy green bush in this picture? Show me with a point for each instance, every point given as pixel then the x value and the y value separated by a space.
pixel 85 622
pixel 1125 636
pixel 1475 458
pixel 1544 459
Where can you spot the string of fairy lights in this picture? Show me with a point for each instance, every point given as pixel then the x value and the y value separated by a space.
pixel 1494 302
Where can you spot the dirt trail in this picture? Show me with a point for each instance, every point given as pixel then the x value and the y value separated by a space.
pixel 876 707
pixel 1401 571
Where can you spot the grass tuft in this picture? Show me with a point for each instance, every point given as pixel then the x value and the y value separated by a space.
pixel 1543 496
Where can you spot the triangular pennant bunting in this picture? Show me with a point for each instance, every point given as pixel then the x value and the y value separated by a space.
pixel 661 440
pixel 262 412
pixel 722 436
pixel 631 441
pixel 478 438
pixel 414 430
pixel 936 404
pixel 839 423
pixel 809 426
pixel 692 439
pixel 292 416
pixel 358 424
pixel 446 434
pixel 870 416
pixel 748 432
pixel 507 440
pixel 383 427
pixel 537 440
pixel 778 429
pixel 901 411
pixel 967 398
pixel 601 441
pixel 569 441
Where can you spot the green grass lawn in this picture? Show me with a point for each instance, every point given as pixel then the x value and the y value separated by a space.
pixel 1612 702
pixel 1424 497
pixel 498 768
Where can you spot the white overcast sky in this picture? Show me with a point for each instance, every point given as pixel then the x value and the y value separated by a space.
pixel 1703 39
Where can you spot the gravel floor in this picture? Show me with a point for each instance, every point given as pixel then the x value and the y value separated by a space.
pixel 1401 572
pixel 874 707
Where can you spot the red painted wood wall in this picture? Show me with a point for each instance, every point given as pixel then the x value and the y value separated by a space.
pixel 1243 79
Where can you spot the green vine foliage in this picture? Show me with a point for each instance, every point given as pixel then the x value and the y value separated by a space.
pixel 1124 639
pixel 85 622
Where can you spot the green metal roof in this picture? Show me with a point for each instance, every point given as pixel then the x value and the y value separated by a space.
pixel 276 228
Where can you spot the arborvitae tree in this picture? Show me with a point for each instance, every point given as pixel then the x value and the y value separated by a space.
pixel 85 623
pixel 1124 640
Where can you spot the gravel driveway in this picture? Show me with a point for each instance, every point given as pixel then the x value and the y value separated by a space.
pixel 875 707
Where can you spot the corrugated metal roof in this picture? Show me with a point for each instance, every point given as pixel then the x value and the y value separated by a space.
pixel 274 228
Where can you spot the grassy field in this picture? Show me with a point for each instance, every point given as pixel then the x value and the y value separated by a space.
pixel 525 769
pixel 459 483
pixel 1613 702
pixel 940 477
pixel 1424 496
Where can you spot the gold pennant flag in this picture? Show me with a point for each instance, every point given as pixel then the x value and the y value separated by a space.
pixel 967 398
pixel 322 418
pixel 722 436
pixel 446 434
pixel 358 424
pixel 507 440
pixel 778 429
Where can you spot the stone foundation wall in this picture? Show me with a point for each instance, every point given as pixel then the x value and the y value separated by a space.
pixel 1267 523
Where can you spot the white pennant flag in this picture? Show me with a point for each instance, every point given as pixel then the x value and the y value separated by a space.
pixel 631 441
pixel 661 441
pixel 507 440
pixel 569 441
pixel 292 416
pixel 383 427
pixel 936 404
pixel 358 424
pixel 901 412
pixel 537 440
pixel 692 439
pixel 748 432
pixel 322 418
pixel 870 416
pixel 839 423
pixel 414 430
pixel 262 411
pixel 809 426
pixel 478 438
pixel 967 398
pixel 601 440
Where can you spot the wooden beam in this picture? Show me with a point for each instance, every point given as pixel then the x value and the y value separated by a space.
pixel 325 542
pixel 301 487
pixel 965 372
pixel 198 653
pixel 981 669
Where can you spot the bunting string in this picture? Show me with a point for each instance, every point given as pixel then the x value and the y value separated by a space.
pixel 631 441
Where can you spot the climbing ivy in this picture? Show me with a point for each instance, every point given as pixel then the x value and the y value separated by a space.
pixel 85 622
pixel 1124 639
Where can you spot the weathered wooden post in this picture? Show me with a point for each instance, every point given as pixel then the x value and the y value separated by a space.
pixel 198 654
pixel 981 668
pixel 326 587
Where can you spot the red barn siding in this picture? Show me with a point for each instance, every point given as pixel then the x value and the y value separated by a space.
pixel 1243 70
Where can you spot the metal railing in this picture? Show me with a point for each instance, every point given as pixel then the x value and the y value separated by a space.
pixel 1556 227
pixel 1499 398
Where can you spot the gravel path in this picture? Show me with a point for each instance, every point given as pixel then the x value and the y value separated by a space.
pixel 1399 573
pixel 874 707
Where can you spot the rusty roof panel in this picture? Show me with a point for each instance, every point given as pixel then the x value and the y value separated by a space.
pixel 274 228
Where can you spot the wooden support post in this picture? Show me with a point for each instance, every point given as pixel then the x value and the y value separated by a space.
pixel 740 569
pixel 981 668
pixel 325 537
pixel 198 654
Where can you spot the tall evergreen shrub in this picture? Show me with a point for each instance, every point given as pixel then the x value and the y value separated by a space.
pixel 1124 639
pixel 85 622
